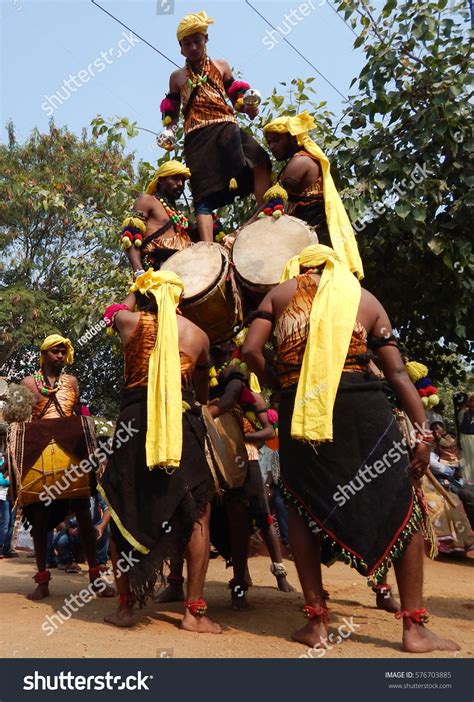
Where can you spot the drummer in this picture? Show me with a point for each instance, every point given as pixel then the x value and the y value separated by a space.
pixel 308 186
pixel 225 161
pixel 155 229
pixel 57 395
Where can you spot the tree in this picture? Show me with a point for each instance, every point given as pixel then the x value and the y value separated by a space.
pixel 405 161
pixel 61 201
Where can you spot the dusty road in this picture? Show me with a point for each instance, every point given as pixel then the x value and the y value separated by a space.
pixel 262 633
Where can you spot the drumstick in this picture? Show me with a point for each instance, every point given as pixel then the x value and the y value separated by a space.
pixel 439 488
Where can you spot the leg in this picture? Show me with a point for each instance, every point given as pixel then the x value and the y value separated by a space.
pixel 239 526
pixel 89 541
pixel 409 571
pixel 281 511
pixel 205 225
pixel 273 545
pixel 39 517
pixel 51 558
pixel 261 181
pixel 174 591
pixel 307 553
pixel 197 556
pixel 8 552
pixel 384 598
pixel 4 520
pixel 123 616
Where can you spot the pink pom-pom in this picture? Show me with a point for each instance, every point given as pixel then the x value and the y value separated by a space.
pixel 237 87
pixel 166 105
pixel 272 416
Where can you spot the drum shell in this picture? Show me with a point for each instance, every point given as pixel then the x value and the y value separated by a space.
pixel 229 449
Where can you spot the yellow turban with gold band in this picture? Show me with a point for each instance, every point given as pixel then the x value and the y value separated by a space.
pixel 340 228
pixel 193 23
pixel 332 318
pixel 57 340
pixel 169 168
pixel 164 434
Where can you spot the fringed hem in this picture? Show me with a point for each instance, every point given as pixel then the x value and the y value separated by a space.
pixel 395 552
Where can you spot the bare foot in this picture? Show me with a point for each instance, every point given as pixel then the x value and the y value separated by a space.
pixel 199 625
pixel 240 602
pixel 314 632
pixel 101 589
pixel 389 604
pixel 171 593
pixel 39 593
pixel 418 639
pixel 122 617
pixel 284 585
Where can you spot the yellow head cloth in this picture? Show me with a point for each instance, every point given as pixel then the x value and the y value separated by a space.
pixel 167 169
pixel 332 319
pixel 164 434
pixel 193 23
pixel 340 229
pixel 55 340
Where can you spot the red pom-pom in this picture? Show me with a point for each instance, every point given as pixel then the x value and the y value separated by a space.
pixel 278 207
pixel 267 210
pixel 237 86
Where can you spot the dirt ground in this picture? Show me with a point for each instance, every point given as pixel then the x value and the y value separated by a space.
pixel 262 633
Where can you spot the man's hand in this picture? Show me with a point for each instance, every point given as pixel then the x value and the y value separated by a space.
pixel 250 110
pixel 420 461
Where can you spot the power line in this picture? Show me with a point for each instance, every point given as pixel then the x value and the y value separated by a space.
pixel 297 51
pixel 342 18
pixel 134 32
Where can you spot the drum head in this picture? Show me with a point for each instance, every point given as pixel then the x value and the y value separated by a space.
pixel 199 267
pixel 263 248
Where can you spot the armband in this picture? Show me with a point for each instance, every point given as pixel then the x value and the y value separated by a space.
pixel 235 90
pixel 168 110
pixel 133 229
pixel 109 316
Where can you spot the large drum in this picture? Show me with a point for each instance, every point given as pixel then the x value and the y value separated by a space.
pixel 228 448
pixel 211 299
pixel 263 248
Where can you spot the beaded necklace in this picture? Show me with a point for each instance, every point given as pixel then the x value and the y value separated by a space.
pixel 43 387
pixel 180 221
pixel 198 78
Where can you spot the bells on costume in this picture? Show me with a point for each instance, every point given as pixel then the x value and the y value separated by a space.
pixel 252 97
pixel 166 140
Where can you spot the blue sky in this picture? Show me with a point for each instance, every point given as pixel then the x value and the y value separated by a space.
pixel 45 43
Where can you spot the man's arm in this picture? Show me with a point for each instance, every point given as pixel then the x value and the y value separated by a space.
pixel 201 372
pixel 228 400
pixel 252 351
pixel 172 101
pixel 143 206
pixel 297 173
pixel 267 431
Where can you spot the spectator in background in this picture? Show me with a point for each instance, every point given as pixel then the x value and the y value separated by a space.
pixel 67 545
pixel 464 409
pixel 7 513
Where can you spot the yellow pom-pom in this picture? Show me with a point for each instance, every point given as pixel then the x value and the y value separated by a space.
pixel 425 401
pixel 277 214
pixel 275 191
pixel 416 371
pixel 167 120
pixel 212 372
pixel 239 103
pixel 109 331
pixel 125 243
pixel 233 184
pixel 433 400
pixel 138 243
pixel 213 382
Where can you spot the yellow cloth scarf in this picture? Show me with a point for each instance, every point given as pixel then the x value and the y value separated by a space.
pixel 340 228
pixel 193 23
pixel 164 433
pixel 169 168
pixel 332 319
pixel 56 340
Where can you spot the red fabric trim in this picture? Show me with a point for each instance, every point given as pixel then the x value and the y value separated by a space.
pixel 198 608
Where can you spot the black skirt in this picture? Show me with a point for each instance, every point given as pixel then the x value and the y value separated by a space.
pixel 153 513
pixel 217 153
pixel 355 492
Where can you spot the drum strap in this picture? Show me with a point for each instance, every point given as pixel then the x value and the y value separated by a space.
pixel 159 232
pixel 52 400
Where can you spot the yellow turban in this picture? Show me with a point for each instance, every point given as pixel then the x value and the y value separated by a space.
pixel 56 340
pixel 340 230
pixel 332 318
pixel 164 434
pixel 193 23
pixel 167 169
